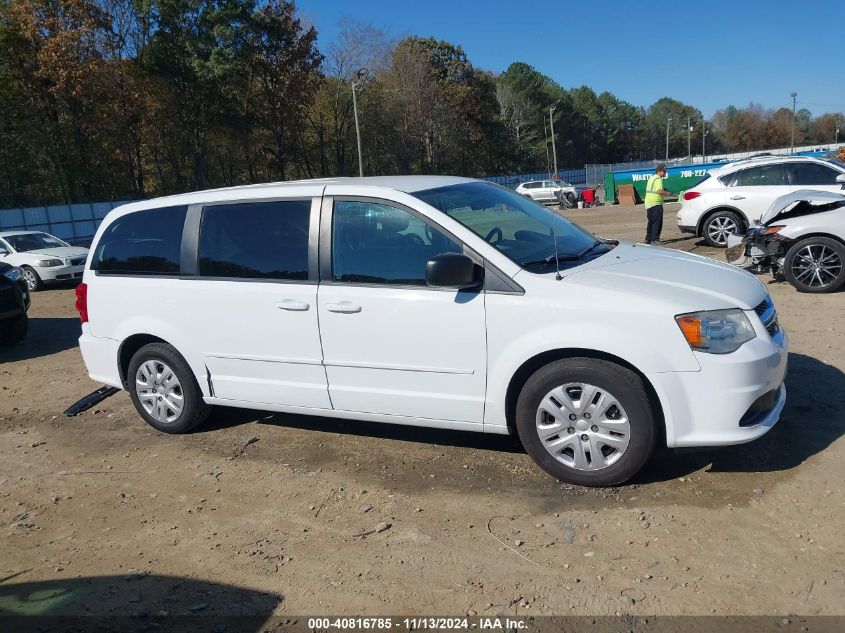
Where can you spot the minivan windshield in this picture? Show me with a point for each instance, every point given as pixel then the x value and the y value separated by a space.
pixel 24 242
pixel 519 228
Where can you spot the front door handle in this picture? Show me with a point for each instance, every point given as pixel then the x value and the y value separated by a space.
pixel 292 305
pixel 344 307
pixel 737 197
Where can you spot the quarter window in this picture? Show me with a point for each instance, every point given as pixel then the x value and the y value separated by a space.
pixel 255 240
pixel 378 243
pixel 812 174
pixel 146 242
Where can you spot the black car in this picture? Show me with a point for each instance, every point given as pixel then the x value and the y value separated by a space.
pixel 14 302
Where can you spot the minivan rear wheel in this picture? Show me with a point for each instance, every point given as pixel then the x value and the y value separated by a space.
pixel 586 421
pixel 164 390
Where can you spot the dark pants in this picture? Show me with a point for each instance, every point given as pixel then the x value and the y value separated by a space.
pixel 655 223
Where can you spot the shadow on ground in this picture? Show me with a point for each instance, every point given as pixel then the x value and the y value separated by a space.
pixel 47 335
pixel 808 426
pixel 130 603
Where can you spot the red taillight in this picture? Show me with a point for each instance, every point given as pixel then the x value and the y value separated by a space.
pixel 82 302
pixel 691 195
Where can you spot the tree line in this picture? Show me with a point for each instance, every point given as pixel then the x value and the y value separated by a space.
pixel 128 99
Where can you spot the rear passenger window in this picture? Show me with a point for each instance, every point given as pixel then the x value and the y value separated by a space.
pixel 812 174
pixel 255 240
pixel 760 176
pixel 146 242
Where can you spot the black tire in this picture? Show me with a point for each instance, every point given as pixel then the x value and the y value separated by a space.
pixel 571 198
pixel 194 409
pixel 31 278
pixel 710 229
pixel 629 391
pixel 828 248
pixel 14 330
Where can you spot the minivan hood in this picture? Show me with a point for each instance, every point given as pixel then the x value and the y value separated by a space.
pixel 790 202
pixel 59 251
pixel 687 282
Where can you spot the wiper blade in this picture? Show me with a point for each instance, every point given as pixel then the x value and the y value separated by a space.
pixel 565 257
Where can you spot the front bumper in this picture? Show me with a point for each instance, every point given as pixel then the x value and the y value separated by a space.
pixel 59 273
pixel 720 404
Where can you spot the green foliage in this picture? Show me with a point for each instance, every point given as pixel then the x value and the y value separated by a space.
pixel 118 99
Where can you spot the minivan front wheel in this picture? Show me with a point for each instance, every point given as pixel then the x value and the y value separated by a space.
pixel 586 421
pixel 164 390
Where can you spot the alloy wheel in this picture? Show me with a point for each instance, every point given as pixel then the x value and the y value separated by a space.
pixel 583 426
pixel 719 229
pixel 159 391
pixel 31 279
pixel 816 266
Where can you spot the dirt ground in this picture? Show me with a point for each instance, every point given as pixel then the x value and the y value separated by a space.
pixel 259 513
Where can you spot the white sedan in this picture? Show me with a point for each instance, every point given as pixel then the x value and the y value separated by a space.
pixel 42 258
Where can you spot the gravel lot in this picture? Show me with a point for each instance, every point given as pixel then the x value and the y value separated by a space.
pixel 280 512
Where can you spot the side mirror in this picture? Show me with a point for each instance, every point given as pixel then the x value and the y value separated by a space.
pixel 453 270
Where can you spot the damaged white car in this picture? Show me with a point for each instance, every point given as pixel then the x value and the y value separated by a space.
pixel 800 238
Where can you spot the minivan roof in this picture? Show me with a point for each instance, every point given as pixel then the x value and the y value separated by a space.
pixel 406 184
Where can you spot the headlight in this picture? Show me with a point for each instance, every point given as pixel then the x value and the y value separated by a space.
pixel 13 274
pixel 47 263
pixel 716 331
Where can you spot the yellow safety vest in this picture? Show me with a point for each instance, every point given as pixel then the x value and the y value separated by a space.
pixel 652 198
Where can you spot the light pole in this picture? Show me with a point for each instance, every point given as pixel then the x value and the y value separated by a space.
pixel 792 143
pixel 704 133
pixel 668 121
pixel 689 139
pixel 552 127
pixel 361 75
pixel 836 138
pixel 546 136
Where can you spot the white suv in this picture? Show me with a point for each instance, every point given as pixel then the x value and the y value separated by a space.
pixel 430 301
pixel 548 190
pixel 730 199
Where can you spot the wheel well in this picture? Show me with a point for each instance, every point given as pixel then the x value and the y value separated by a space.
pixel 829 236
pixel 527 369
pixel 700 229
pixel 129 347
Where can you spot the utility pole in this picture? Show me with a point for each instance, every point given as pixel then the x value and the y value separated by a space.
pixel 668 121
pixel 704 133
pixel 792 144
pixel 836 138
pixel 552 125
pixel 361 75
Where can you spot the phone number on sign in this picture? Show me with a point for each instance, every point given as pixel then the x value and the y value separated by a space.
pixel 388 623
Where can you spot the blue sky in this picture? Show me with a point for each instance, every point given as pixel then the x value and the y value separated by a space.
pixel 708 54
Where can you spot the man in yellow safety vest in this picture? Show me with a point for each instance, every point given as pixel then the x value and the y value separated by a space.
pixel 654 194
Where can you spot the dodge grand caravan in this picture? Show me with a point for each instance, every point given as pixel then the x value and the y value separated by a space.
pixel 430 301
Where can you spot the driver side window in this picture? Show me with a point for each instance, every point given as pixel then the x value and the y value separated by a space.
pixel 382 244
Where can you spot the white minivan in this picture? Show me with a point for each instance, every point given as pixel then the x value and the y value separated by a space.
pixel 431 301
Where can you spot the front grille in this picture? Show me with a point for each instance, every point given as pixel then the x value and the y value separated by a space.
pixel 768 315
